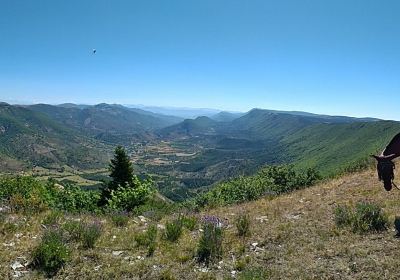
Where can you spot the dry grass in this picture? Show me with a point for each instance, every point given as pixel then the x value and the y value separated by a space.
pixel 296 236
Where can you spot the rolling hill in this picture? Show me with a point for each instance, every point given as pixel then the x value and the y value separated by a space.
pixel 261 137
pixel 198 152
pixel 30 138
pixel 110 123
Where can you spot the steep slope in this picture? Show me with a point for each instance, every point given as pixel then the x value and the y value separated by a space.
pixel 115 124
pixel 331 147
pixel 30 138
pixel 292 236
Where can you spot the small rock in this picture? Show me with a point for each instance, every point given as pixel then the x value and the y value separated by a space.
pixel 19 273
pixel 17 265
pixel 233 272
pixel 160 226
pixel 114 237
pixel 254 244
pixel 203 269
pixel 262 219
pixel 97 268
pixel 142 219
pixel 117 253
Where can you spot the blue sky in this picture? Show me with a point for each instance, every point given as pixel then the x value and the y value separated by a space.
pixel 323 56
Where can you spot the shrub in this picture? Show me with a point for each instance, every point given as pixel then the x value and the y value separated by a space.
pixel 120 219
pixel 51 254
pixel 25 194
pixel 369 217
pixel 189 222
pixel 74 199
pixel 343 216
pixel 210 243
pixel 365 217
pixel 90 233
pixel 29 205
pixel 148 239
pixel 269 180
pixel 173 230
pixel 74 230
pixel 243 225
pixel 128 198
pixel 22 185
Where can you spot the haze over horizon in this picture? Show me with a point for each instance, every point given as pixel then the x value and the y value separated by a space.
pixel 324 57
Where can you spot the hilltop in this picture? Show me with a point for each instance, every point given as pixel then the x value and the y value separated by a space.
pixel 292 236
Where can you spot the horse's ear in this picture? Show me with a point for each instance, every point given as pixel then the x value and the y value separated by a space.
pixel 375 157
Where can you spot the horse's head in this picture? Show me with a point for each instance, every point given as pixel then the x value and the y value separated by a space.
pixel 385 168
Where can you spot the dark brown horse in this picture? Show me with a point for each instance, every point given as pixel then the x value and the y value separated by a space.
pixel 385 164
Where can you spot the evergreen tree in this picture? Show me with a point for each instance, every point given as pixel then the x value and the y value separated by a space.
pixel 121 169
pixel 121 173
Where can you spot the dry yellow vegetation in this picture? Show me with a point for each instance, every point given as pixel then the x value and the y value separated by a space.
pixel 292 236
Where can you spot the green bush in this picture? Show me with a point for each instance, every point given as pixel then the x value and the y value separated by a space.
pixel 90 233
pixel 365 217
pixel 51 254
pixel 26 194
pixel 343 216
pixel 75 200
pixel 270 180
pixel 130 197
pixel 120 219
pixel 190 222
pixel 21 185
pixel 210 243
pixel 285 178
pixel 369 217
pixel 173 230
pixel 243 225
pixel 148 239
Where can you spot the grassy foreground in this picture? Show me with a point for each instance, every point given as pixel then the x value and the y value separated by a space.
pixel 292 236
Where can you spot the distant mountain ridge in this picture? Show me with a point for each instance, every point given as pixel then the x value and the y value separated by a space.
pixel 209 148
pixel 30 138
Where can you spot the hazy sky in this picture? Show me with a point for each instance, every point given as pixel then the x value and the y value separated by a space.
pixel 323 56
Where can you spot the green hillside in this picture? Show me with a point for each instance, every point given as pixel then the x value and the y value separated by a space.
pixel 332 147
pixel 114 124
pixel 29 138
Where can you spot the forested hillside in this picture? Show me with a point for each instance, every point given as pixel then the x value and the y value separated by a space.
pixel 184 156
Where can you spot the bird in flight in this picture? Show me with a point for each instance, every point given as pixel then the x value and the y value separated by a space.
pixel 94 51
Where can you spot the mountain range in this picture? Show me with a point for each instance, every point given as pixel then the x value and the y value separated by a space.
pixel 196 152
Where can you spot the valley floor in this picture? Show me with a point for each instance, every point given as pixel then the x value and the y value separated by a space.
pixel 292 237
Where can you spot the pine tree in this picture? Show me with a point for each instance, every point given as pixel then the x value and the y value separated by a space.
pixel 121 173
pixel 121 169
